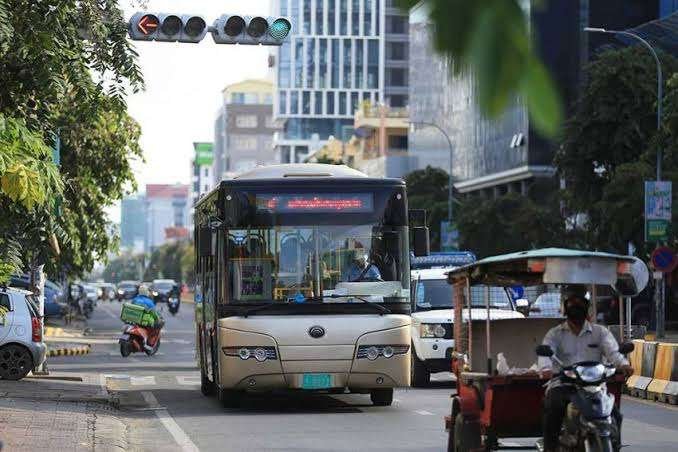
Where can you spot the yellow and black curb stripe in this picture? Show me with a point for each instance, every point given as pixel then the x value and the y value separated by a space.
pixel 69 351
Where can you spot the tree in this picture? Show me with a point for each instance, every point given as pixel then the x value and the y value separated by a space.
pixel 508 223
pixel 491 40
pixel 428 189
pixel 610 147
pixel 172 260
pixel 65 67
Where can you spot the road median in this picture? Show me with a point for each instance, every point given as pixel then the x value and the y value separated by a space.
pixel 68 350
pixel 655 375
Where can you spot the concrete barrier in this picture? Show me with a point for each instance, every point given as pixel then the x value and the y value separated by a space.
pixel 643 363
pixel 69 351
pixel 664 385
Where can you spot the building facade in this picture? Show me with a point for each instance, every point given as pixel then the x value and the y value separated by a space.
pixel 244 128
pixel 167 214
pixel 334 59
pixel 133 223
pixel 504 154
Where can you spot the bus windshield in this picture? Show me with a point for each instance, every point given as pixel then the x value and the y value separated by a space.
pixel 318 264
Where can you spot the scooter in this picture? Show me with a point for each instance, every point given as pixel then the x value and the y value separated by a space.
pixel 136 338
pixel 173 304
pixel 590 423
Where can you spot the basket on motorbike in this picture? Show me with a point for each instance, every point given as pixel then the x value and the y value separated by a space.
pixel 138 315
pixel 491 404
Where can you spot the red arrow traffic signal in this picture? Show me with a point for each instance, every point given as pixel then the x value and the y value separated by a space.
pixel 148 24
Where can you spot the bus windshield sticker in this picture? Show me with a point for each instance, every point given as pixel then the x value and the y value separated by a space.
pixel 315 202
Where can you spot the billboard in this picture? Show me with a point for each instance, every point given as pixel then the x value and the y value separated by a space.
pixel 657 210
pixel 204 153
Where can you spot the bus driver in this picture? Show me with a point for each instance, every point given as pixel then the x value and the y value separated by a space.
pixel 361 269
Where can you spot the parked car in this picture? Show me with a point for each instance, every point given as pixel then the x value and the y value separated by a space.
pixel 54 304
pixel 21 345
pixel 127 290
pixel 433 316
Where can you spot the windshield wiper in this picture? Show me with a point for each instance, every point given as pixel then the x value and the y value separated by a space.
pixel 362 298
pixel 262 307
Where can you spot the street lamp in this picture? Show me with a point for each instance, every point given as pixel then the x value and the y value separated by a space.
pixel 659 81
pixel 449 182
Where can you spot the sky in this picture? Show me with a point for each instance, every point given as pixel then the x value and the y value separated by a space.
pixel 183 87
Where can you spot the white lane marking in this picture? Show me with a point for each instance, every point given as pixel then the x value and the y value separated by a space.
pixel 180 437
pixel 424 412
pixel 117 376
pixel 142 381
pixel 188 380
pixel 179 341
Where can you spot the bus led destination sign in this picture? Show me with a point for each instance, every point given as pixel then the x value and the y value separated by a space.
pixel 316 202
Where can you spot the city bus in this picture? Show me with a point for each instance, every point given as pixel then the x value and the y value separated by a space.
pixel 303 278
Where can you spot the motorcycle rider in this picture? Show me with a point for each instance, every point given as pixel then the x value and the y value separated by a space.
pixel 573 341
pixel 143 299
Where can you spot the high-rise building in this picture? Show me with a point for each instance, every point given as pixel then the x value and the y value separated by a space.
pixel 167 213
pixel 339 54
pixel 507 153
pixel 244 128
pixel 133 223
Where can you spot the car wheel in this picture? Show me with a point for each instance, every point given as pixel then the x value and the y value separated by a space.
pixel 421 377
pixel 382 397
pixel 15 362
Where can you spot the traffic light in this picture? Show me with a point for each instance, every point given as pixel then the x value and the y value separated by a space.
pixel 167 27
pixel 234 29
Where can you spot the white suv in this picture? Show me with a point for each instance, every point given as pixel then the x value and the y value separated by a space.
pixel 433 316
pixel 21 346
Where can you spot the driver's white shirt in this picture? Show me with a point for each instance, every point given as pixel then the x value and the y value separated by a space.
pixel 593 343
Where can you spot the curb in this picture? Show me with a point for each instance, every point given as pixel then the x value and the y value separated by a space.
pixel 69 351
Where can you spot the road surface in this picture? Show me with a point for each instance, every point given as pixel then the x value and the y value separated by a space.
pixel 160 399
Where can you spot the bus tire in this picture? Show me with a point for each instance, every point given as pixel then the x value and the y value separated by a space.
pixel 206 386
pixel 421 377
pixel 229 398
pixel 382 397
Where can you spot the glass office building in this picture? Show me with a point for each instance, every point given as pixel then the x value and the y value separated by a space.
pixel 335 59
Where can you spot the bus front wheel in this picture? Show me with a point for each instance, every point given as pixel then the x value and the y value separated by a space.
pixel 229 398
pixel 382 397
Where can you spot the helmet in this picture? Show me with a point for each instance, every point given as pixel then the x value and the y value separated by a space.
pixel 574 291
pixel 143 290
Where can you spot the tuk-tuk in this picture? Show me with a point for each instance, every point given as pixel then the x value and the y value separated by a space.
pixel 490 405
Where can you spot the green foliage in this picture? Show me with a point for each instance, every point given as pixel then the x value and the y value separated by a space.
pixel 124 267
pixel 65 66
pixel 511 222
pixel 172 261
pixel 428 189
pixel 490 39
pixel 610 148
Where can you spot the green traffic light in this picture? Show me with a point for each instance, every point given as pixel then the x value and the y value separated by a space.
pixel 279 29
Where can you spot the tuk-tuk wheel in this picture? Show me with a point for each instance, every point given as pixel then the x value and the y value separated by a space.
pixel 466 434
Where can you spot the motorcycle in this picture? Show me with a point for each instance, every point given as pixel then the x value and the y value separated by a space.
pixel 590 423
pixel 173 304
pixel 136 338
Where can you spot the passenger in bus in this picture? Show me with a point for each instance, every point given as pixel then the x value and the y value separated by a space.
pixel 361 268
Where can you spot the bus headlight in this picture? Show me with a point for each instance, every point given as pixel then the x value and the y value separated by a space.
pixel 432 330
pixel 373 352
pixel 261 354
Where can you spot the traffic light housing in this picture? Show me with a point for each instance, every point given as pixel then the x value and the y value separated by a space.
pixel 250 30
pixel 167 27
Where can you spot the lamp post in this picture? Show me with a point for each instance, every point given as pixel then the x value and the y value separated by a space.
pixel 660 81
pixel 449 181
pixel 659 286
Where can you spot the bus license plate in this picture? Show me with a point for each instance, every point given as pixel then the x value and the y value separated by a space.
pixel 316 381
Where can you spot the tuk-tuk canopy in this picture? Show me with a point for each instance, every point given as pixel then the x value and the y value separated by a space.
pixel 549 266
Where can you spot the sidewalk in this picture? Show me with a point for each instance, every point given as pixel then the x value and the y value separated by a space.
pixel 53 414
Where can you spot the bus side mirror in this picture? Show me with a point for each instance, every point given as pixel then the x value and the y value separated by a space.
pixel 421 243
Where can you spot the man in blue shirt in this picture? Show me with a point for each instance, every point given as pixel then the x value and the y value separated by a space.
pixel 143 299
pixel 361 268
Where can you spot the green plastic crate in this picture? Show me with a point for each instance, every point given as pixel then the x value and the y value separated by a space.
pixel 138 315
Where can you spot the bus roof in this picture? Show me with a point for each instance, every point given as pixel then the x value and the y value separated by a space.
pixel 300 170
